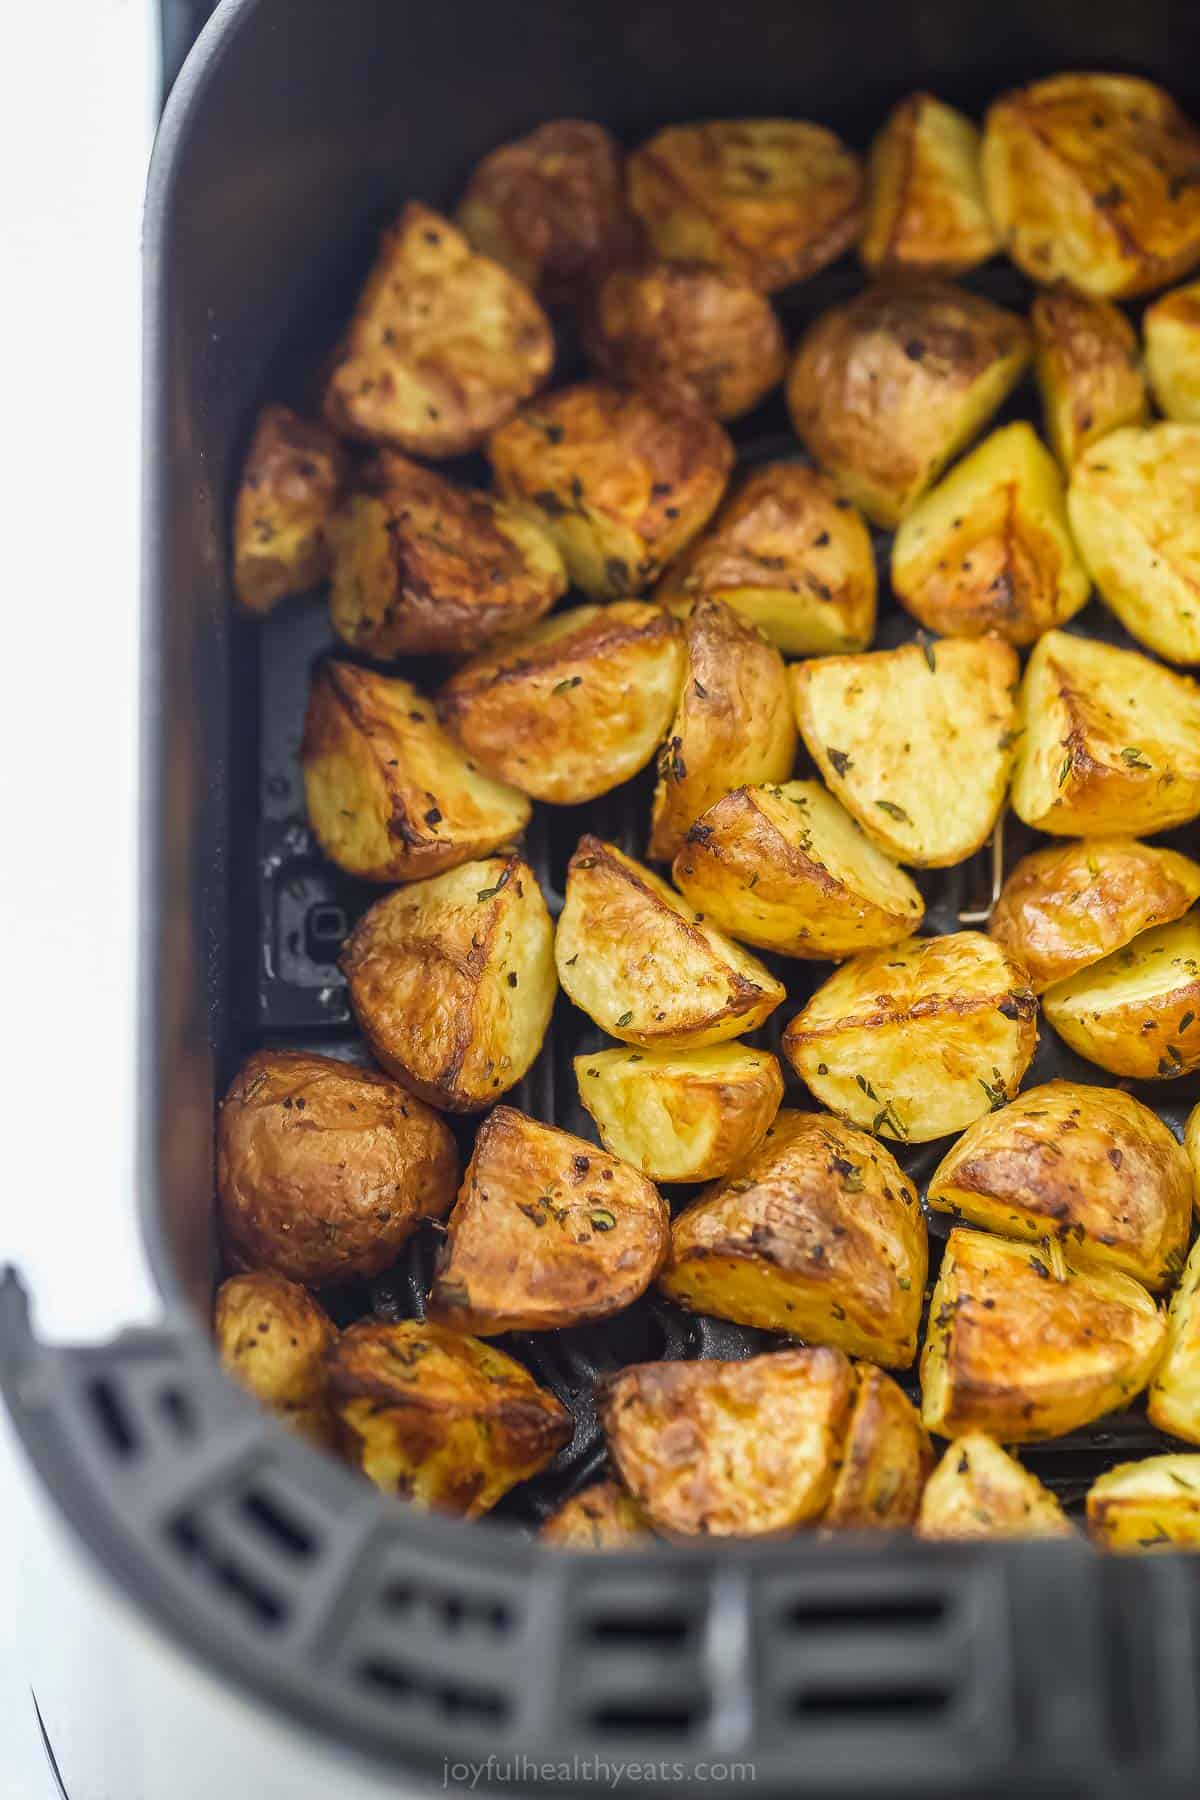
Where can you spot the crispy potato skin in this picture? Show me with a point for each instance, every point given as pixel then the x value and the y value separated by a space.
pixel 1090 1165
pixel 790 556
pixel 687 1115
pixel 919 1039
pixel 925 207
pixel 1025 1346
pixel 441 1419
pixel 1088 371
pixel 452 981
pixel 1171 327
pixel 292 475
pixel 817 1235
pixel 575 707
pixel 390 797
pixel 887 387
pixel 1174 1403
pixel 886 1459
pixel 1091 181
pixel 1137 1013
pixel 547 1231
pixel 1066 907
pixel 771 200
pixel 600 1517
pixel 621 478
pixel 273 1338
pixel 443 346
pixel 979 1491
pixel 633 956
pixel 324 1169
pixel 1149 1505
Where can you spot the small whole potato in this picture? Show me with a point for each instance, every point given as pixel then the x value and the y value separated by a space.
pixel 1137 1013
pixel 1171 325
pixel 681 1115
pixel 291 478
pixel 1153 1504
pixel 274 1339
pixel 925 207
pixel 600 1517
pixel 886 1458
pixel 1088 371
pixel 1174 1403
pixel 979 1491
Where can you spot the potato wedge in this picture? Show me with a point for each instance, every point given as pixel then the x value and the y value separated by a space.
pixel 979 1491
pixel 1109 741
pixel 574 707
pixel 620 478
pixel 441 1419
pixel 1137 1013
pixel 546 1231
pixel 887 387
pixel 273 1338
pixel 600 1517
pixel 290 482
pixel 789 555
pixel 1088 369
pixel 443 346
pixel 1134 505
pixel 1174 1402
pixel 989 548
pixel 1149 1505
pixel 917 1040
pixel 637 960
pixel 886 1459
pixel 771 200
pixel 786 869
pixel 731 1449
pixel 1191 1143
pixel 1094 183
pixel 390 797
pixel 818 1235
pixel 1025 1346
pixel 925 208
pixel 1089 1165
pixel 324 1169
pixel 681 1115
pixel 1171 327
pixel 916 743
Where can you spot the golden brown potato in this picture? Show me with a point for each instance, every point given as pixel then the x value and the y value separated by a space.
pixel 599 1517
pixel 1149 1505
pixel 771 200
pixel 979 1491
pixel 681 1115
pixel 788 554
pixel 621 478
pixel 576 706
pixel 1134 506
pixel 920 1039
pixel 786 869
pixel 925 207
pixel 885 1460
pixel 1109 741
pixel 1172 332
pixel 443 346
pixel 390 797
pixel 439 1418
pixel 546 1231
pixel 887 387
pixel 989 548
pixel 324 1169
pixel 1094 182
pixel 1023 1345
pixel 1088 371
pixel 1064 908
pixel 273 1338
pixel 1191 1143
pixel 916 743
pixel 290 482
pixel 1174 1403
pixel 637 960
pixel 1089 1165
pixel 452 981
pixel 818 1235
pixel 1137 1013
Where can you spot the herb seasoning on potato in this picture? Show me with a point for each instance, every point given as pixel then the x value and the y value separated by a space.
pixel 290 484
pixel 1153 1504
pixel 979 1491
pixel 274 1339
pixel 681 1115
pixel 1137 1013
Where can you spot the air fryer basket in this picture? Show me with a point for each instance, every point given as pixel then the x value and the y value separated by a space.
pixel 871 1668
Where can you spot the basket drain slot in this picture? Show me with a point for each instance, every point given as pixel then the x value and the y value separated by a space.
pixel 918 1610
pixel 227 1573
pixel 908 1700
pixel 650 1716
pixel 453 1702
pixel 663 1633
pixel 278 1524
pixel 112 1416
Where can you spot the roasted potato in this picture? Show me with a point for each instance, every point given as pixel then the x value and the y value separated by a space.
pixel 443 346
pixel 1088 371
pixel 1191 1143
pixel 1171 327
pixel 989 548
pixel 1137 1013
pixel 290 482
pixel 771 200
pixel 1089 1165
pixel 621 478
pixel 324 1169
pixel 452 981
pixel 1066 907
pixel 887 387
pixel 681 1115
pixel 546 1231
pixel 788 554
pixel 1094 183
pixel 439 1418
pixel 925 208
pixel 1174 1403
pixel 786 869
pixel 885 1460
pixel 1149 1505
pixel 920 1039
pixel 390 797
pixel 733 723
pixel 273 1338
pixel 577 705
pixel 916 743
pixel 600 1517
pixel 637 960
pixel 818 1235
pixel 1108 742
pixel 1134 506
pixel 979 1491
pixel 421 565
pixel 1025 1346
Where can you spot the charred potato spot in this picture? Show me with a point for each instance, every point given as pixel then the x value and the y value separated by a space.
pixel 681 1115
pixel 979 1491
pixel 1088 371
pixel 290 482
pixel 925 207
pixel 886 1457
pixel 1174 1404
pixel 1137 1012
pixel 1171 327
pixel 1149 1505
pixel 273 1338
pixel 601 1517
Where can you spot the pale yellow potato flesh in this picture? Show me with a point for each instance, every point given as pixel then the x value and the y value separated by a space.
pixel 979 1491
pixel 1137 1013
pixel 1149 1505
pixel 681 1115
pixel 1171 326
pixel 1174 1403
pixel 925 207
